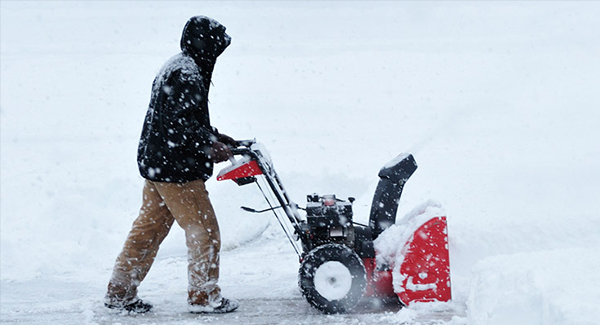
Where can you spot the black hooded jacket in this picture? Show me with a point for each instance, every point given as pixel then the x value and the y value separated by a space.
pixel 177 134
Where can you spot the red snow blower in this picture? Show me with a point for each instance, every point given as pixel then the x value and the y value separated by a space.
pixel 340 262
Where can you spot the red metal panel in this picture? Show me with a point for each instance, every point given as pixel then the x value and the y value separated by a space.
pixel 425 269
pixel 247 169
pixel 379 282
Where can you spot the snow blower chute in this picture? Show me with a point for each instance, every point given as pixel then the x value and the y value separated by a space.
pixel 339 260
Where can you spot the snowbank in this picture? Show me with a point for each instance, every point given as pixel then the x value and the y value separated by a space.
pixel 549 287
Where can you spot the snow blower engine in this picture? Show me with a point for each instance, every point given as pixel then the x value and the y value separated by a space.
pixel 329 220
pixel 340 260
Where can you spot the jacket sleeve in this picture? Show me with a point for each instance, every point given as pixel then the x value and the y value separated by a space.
pixel 187 122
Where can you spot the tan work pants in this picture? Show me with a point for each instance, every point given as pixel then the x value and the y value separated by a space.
pixel 189 205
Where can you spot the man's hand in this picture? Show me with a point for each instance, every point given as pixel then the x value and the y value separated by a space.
pixel 226 140
pixel 220 152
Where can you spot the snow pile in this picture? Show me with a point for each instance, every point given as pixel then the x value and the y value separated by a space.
pixel 547 287
pixel 509 268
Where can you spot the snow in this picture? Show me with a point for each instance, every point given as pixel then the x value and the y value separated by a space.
pixel 338 287
pixel 497 101
pixel 544 287
pixel 396 160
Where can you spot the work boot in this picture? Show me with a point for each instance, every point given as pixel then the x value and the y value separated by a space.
pixel 224 306
pixel 137 306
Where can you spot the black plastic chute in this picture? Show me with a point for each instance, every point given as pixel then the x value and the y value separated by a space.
pixel 392 176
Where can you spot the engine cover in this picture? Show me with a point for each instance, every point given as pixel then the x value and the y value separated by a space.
pixel 329 220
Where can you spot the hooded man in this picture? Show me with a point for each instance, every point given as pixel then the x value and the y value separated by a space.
pixel 176 152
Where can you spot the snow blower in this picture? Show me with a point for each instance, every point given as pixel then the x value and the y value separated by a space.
pixel 339 260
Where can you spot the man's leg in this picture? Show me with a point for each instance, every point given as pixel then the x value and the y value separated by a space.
pixel 191 207
pixel 140 248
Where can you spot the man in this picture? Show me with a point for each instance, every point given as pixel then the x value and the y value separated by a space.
pixel 176 153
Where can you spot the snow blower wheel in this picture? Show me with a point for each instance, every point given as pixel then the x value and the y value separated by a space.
pixel 332 278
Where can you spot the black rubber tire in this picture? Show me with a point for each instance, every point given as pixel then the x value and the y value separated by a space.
pixel 347 278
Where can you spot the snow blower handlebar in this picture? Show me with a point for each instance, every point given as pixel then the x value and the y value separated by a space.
pixel 255 161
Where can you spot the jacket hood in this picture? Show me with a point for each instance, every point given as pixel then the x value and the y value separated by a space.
pixel 204 38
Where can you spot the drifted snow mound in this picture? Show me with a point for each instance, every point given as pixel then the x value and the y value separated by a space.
pixel 546 287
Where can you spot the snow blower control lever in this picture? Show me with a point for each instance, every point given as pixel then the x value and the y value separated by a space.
pixel 339 261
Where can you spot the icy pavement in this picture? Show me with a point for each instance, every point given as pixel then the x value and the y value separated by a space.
pixel 267 291
pixel 280 311
pixel 70 303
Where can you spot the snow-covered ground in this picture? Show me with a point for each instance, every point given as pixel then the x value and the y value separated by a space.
pixel 498 102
